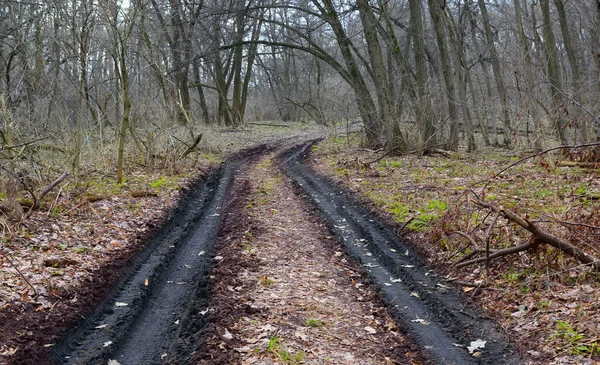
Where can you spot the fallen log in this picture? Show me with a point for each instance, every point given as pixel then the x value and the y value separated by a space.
pixel 191 148
pixel 269 124
pixel 43 193
pixel 499 253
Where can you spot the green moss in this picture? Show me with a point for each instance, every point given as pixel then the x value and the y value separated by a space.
pixel 399 211
pixel 543 193
pixel 391 163
pixel 265 164
pixel 211 157
pixel 437 205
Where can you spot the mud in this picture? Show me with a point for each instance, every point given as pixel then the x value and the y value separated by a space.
pixel 153 315
pixel 304 263
pixel 428 309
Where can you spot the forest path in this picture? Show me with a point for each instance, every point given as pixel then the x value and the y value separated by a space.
pixel 266 262
pixel 305 274
pixel 284 291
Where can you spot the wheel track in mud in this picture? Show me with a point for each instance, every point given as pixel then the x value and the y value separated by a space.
pixel 433 314
pixel 153 313
pixel 166 291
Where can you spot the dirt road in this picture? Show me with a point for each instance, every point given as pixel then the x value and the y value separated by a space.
pixel 279 287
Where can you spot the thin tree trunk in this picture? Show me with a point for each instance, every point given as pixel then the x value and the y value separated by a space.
pixel 126 112
pixel 435 9
pixel 252 50
pixel 554 73
pixel 380 81
pixel 236 108
pixel 365 104
pixel 577 113
pixel 482 115
pixel 427 142
pixel 457 46
pixel 200 90
pixel 530 106
pixel 497 74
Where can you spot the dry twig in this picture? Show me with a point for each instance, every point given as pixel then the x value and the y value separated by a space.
pixel 540 236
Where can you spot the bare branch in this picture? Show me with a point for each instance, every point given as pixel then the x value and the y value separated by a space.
pixel 545 237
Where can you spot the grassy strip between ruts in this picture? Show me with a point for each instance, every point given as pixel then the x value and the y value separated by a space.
pixel 545 300
pixel 286 294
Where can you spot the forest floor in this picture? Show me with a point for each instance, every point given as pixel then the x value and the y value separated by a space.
pixel 546 301
pixel 64 259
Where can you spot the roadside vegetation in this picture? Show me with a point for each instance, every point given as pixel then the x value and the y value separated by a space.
pixel 464 216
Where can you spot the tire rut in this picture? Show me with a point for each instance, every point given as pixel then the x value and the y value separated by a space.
pixel 430 311
pixel 283 287
pixel 153 312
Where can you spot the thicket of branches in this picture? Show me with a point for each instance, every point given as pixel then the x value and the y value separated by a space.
pixel 142 77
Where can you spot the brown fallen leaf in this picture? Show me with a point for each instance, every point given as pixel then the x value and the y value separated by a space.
pixel 370 329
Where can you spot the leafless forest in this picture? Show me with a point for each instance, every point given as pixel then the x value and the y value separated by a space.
pixel 138 80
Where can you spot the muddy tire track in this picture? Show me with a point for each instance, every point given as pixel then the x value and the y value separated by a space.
pixel 430 311
pixel 153 315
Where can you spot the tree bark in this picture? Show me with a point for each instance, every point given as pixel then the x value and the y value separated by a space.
pixel 497 74
pixel 365 104
pixel 569 45
pixel 545 237
pixel 423 117
pixel 435 9
pixel 531 106
pixel 377 63
pixel 555 85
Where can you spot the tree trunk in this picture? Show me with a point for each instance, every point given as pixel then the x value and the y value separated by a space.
pixel 423 116
pixel 365 104
pixel 126 112
pixel 252 50
pixel 180 64
pixel 497 74
pixel 554 74
pixel 238 53
pixel 457 45
pixel 530 105
pixel 380 81
pixel 200 90
pixel 481 115
pixel 577 113
pixel 435 9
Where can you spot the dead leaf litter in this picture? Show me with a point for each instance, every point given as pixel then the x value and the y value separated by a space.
pixel 299 299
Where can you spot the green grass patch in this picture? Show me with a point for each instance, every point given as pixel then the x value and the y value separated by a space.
pixel 314 323
pixel 574 341
pixel 275 347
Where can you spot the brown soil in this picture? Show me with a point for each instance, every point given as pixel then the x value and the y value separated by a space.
pixel 284 291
